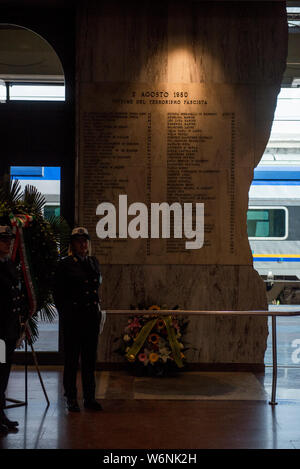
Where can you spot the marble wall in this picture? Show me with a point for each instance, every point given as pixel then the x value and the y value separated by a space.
pixel 230 55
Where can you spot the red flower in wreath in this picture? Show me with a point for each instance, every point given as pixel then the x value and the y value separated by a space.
pixel 135 324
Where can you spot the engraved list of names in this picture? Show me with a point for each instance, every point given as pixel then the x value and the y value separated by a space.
pixel 174 143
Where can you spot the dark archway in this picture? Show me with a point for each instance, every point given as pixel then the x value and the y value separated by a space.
pixel 42 133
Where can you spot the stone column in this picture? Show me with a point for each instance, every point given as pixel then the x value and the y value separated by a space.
pixel 175 104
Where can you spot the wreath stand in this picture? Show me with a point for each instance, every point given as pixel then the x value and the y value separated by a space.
pixel 16 402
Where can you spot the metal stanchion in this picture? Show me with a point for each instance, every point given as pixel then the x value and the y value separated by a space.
pixel 38 372
pixel 15 402
pixel 274 354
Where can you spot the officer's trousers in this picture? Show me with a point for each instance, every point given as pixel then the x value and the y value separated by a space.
pixel 80 340
pixel 5 371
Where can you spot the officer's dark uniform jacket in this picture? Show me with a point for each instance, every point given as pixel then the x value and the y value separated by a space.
pixel 76 286
pixel 76 298
pixel 10 302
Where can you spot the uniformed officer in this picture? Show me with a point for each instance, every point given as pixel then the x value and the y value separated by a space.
pixel 10 309
pixel 77 280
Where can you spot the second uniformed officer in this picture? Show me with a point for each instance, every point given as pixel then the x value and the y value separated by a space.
pixel 10 311
pixel 76 285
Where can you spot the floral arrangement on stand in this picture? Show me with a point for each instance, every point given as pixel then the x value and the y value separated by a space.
pixel 154 343
pixel 36 249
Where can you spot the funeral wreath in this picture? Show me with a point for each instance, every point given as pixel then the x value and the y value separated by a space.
pixel 154 343
pixel 36 248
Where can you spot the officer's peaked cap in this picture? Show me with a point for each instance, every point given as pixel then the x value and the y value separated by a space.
pixel 80 231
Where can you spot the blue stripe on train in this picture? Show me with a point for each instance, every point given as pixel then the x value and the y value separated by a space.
pixel 277 173
pixel 276 259
pixel 276 183
pixel 38 173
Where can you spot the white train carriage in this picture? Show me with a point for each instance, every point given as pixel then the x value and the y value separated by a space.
pixel 273 223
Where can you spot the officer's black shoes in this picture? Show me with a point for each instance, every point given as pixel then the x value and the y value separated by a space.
pixel 72 405
pixel 10 424
pixel 92 404
pixel 3 429
pixel 7 425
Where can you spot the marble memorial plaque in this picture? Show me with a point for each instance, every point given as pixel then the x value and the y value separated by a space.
pixel 190 143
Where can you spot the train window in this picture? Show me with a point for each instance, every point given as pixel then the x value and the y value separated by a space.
pixel 51 211
pixel 267 222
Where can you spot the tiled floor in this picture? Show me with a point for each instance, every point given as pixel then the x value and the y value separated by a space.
pixel 157 424
pixel 128 422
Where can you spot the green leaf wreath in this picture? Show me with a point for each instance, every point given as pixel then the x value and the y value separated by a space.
pixel 43 242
